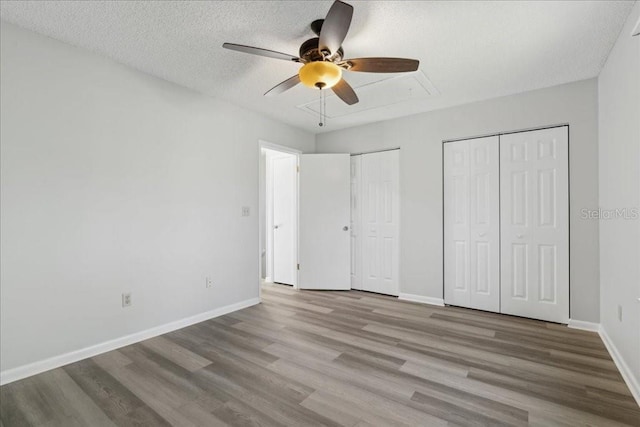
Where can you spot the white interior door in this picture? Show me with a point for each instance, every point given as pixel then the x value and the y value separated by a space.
pixel 380 221
pixel 356 222
pixel 484 223
pixel 324 221
pixel 456 223
pixel 471 223
pixel 284 188
pixel 535 224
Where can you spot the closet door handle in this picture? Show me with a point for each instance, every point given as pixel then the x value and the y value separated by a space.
pixel 519 236
pixel 482 234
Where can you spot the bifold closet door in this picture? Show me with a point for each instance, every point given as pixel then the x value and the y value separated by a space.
pixel 380 220
pixel 356 222
pixel 471 223
pixel 534 205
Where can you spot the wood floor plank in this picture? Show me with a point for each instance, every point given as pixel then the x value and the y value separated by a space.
pixel 201 414
pixel 344 411
pixel 69 400
pixel 530 403
pixel 567 396
pixel 112 397
pixel 157 395
pixel 22 403
pixel 375 403
pixel 329 358
pixel 176 354
pixel 457 414
pixel 142 416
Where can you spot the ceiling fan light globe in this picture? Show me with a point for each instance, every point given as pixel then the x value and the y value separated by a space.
pixel 320 74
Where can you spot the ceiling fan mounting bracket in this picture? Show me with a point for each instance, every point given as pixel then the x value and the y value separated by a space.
pixel 316 26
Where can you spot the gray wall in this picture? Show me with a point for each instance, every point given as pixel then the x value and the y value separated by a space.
pixel 114 181
pixel 619 106
pixel 420 138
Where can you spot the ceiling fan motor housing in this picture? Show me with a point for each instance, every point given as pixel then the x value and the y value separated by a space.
pixel 309 52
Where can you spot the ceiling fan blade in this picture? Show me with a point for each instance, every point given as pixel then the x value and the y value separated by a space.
pixel 285 85
pixel 345 92
pixel 259 51
pixel 383 65
pixel 335 27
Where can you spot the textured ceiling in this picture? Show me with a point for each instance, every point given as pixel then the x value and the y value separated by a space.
pixel 468 50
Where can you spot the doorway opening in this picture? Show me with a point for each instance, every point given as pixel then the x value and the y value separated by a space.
pixel 278 214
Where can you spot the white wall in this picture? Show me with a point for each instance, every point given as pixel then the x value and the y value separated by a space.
pixel 420 138
pixel 116 181
pixel 619 142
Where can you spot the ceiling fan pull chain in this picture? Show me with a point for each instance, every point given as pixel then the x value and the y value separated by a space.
pixel 322 108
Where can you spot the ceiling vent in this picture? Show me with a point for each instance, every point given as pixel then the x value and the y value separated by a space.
pixel 381 93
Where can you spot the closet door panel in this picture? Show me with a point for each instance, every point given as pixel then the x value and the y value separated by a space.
pixel 356 223
pixel 471 223
pixel 456 223
pixel 380 221
pixel 535 224
pixel 484 224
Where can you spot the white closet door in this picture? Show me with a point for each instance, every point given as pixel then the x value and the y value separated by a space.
pixel 285 187
pixel 380 221
pixel 535 224
pixel 484 223
pixel 356 222
pixel 471 223
pixel 324 222
pixel 456 223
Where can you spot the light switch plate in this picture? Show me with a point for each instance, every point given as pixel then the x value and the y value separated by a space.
pixel 246 211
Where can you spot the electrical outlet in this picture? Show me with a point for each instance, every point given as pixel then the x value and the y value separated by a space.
pixel 620 313
pixel 209 282
pixel 246 211
pixel 126 299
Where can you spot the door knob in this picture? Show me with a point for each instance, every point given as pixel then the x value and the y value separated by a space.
pixel 482 234
pixel 345 228
pixel 276 226
pixel 519 236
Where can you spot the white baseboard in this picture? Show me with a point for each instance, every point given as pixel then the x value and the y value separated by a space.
pixel 585 326
pixel 422 299
pixel 15 374
pixel 629 378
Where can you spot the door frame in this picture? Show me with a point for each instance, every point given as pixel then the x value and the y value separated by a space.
pixel 498 134
pixel 262 144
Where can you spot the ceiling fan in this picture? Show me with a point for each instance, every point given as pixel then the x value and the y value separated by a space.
pixel 322 57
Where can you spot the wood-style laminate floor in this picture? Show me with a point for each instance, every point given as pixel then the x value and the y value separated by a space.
pixel 337 358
